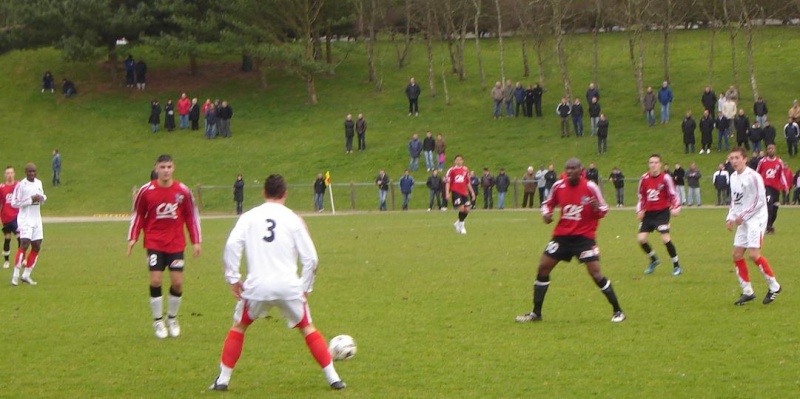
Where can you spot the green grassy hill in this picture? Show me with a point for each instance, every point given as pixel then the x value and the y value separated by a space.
pixel 108 149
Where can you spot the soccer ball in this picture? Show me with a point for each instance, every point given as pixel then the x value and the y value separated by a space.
pixel 342 347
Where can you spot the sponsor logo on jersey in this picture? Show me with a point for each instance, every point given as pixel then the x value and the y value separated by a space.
pixel 166 211
pixel 572 212
pixel 179 198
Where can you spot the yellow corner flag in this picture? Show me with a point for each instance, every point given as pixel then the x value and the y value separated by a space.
pixel 327 178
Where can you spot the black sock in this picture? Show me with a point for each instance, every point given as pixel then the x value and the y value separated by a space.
pixel 462 216
pixel 6 247
pixel 155 292
pixel 174 292
pixel 649 251
pixel 608 291
pixel 673 253
pixel 539 290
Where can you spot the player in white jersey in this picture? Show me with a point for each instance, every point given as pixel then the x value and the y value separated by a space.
pixel 748 212
pixel 28 197
pixel 274 238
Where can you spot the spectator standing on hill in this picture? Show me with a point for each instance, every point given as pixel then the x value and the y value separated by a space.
pixel 771 169
pixel 414 151
pixel 706 132
pixel 679 177
pixel 225 114
pixel 184 106
pixel 592 92
pixel 406 185
pixel 319 193
pixel 519 99
pixel 529 187
pixel 756 135
pixel 748 214
pixel 550 178
pixel 796 195
pixel 141 74
pixel 435 185
pixel 487 184
pixel 428 145
pixel 169 116
pixel 769 133
pixel 541 183
pixel 721 104
pixel 238 193
pixel 593 174
pixel 361 132
pixel 508 98
pixel 665 98
pixel 693 176
pixel 56 168
pixel 273 239
pixel 440 148
pixel 742 125
pixel 794 112
pixel 760 111
pixel 382 181
pixel 602 134
pixel 687 127
pixel 720 181
pixel 729 109
pixel 155 115
pixel 538 92
pixel 732 94
pixel 582 206
pixel 577 117
pixel 130 71
pixel 48 82
pixel 791 131
pixel 563 110
pixel 475 183
pixel 502 182
pixel 206 105
pixel 594 114
pixel 28 197
pixel 194 114
pixel 162 208
pixel 497 97
pixel 755 159
pixel 349 133
pixel 618 179
pixel 649 105
pixel 68 88
pixel 211 122
pixel 412 93
pixel 657 202
pixel 723 126
pixel 529 93
pixel 709 100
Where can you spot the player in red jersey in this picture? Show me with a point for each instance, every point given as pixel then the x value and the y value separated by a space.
pixel 582 206
pixel 458 188
pixel 8 214
pixel 771 170
pixel 163 206
pixel 658 200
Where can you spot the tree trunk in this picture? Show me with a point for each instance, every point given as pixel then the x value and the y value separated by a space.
pixel 526 69
pixel 247 62
pixel 751 67
pixel 561 52
pixel 665 34
pixel 431 75
pixel 732 34
pixel 312 90
pixel 711 56
pixel 401 59
pixel 500 41
pixel 595 56
pixel 444 87
pixel 317 53
pixel 328 46
pixel 538 44
pixel 452 51
pixel 477 4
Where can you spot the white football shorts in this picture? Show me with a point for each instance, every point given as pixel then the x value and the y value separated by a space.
pixel 750 233
pixel 293 310
pixel 31 231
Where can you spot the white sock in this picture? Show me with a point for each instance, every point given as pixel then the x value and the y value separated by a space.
pixel 157 307
pixel 26 273
pixel 747 288
pixel 173 304
pixel 224 374
pixel 330 374
pixel 16 272
pixel 773 284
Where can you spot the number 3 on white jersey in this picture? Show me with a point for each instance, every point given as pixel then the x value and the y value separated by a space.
pixel 270 236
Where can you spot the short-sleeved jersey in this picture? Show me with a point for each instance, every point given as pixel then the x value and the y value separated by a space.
pixel 29 211
pixel 162 212
pixel 657 193
pixel 771 170
pixel 578 218
pixel 274 238
pixel 748 196
pixel 7 212
pixel 458 177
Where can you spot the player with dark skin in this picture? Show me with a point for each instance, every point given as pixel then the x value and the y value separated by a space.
pixel 24 243
pixel 573 170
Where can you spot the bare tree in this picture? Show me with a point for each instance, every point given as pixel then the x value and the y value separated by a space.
pixel 711 12
pixel 476 27
pixel 596 26
pixel 672 12
pixel 634 13
pixel 401 49
pixel 521 9
pixel 366 10
pixel 500 41
pixel 561 10
pixel 539 23
pixel 734 24
pixel 430 33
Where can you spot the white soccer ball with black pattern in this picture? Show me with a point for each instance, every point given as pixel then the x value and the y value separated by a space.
pixel 342 347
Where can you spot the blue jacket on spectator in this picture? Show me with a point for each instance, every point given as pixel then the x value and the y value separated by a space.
pixel 406 184
pixel 665 95
pixel 414 148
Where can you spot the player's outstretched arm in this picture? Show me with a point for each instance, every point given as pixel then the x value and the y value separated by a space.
pixel 131 243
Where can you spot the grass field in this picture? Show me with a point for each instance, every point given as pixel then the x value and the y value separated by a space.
pixel 432 313
pixel 107 148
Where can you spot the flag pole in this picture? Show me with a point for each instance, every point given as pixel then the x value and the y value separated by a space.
pixel 330 190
